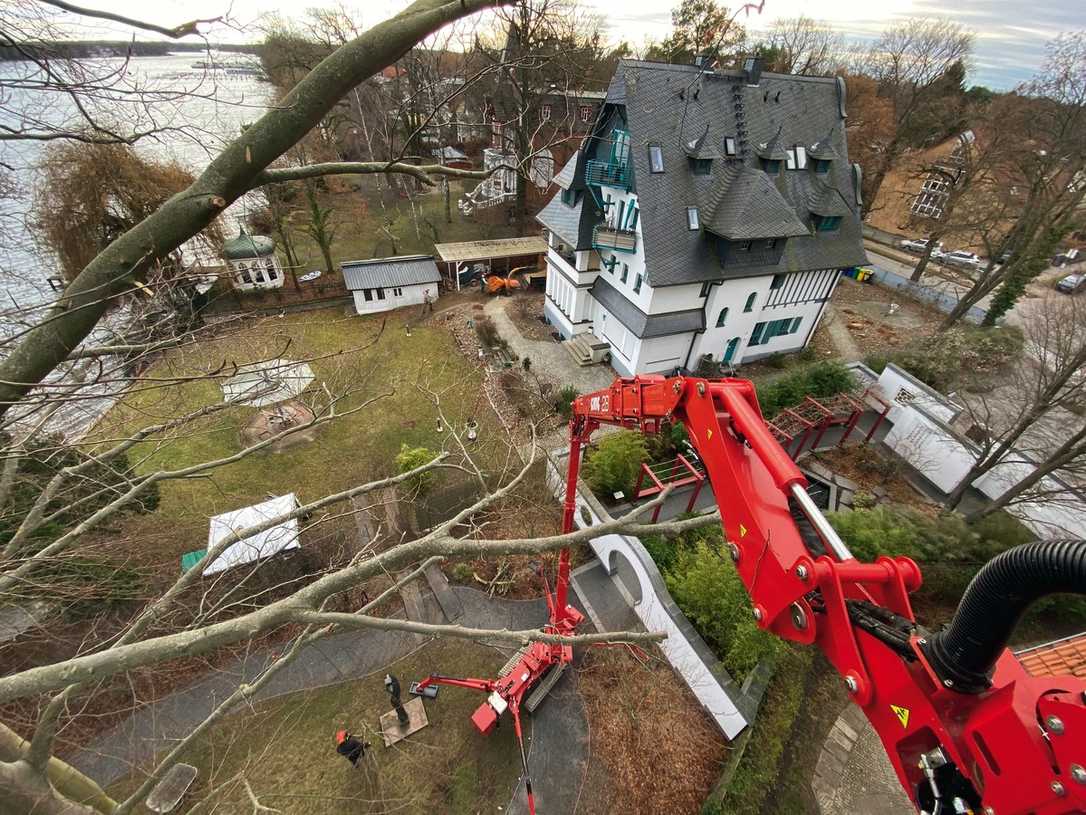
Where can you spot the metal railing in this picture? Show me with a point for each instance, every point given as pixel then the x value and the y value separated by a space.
pixel 608 174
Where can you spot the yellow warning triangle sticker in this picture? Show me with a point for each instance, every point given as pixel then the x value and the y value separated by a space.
pixel 742 531
pixel 902 714
pixel 708 433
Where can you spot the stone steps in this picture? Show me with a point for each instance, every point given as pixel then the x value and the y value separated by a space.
pixel 586 349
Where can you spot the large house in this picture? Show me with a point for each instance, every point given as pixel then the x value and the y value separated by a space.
pixel 707 214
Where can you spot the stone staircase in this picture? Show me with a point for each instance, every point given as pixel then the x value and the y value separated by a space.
pixel 587 349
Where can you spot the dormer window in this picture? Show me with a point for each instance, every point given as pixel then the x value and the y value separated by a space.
pixel 822 165
pixel 569 197
pixel 656 158
pixel 827 223
pixel 702 166
pixel 771 166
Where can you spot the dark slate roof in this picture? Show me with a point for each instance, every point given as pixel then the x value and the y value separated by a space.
pixel 562 219
pixel 823 148
pixel 827 200
pixel 565 175
pixel 407 270
pixel 772 149
pixel 803 110
pixel 702 148
pixel 750 207
pixel 641 324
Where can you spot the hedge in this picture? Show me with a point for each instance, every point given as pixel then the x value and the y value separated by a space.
pixel 820 380
pixel 704 584
pixel 758 770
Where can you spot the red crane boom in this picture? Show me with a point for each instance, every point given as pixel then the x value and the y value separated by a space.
pixel 966 727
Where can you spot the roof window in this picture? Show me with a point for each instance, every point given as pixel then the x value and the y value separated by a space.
pixel 796 158
pixel 656 158
pixel 693 221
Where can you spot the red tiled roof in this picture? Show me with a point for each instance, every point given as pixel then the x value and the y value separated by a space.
pixel 1059 658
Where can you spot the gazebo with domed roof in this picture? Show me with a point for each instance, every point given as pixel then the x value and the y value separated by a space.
pixel 252 261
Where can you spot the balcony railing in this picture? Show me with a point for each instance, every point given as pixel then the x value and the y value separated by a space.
pixel 608 174
pixel 617 240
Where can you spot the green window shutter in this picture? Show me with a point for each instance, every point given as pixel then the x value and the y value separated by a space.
pixel 756 334
pixel 750 303
pixel 722 318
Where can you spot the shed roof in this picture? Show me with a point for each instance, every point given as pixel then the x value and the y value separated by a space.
pixel 379 273
pixel 259 545
pixel 495 248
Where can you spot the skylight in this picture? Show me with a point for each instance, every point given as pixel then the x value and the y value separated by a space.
pixel 729 146
pixel 656 158
pixel 692 219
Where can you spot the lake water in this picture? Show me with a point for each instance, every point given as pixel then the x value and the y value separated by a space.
pixel 198 109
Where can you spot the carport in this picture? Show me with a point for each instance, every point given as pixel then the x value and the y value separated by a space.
pixel 496 256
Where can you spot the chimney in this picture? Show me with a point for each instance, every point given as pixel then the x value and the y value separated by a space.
pixel 752 69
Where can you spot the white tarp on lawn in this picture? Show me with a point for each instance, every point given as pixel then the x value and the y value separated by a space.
pixel 262 544
pixel 267 383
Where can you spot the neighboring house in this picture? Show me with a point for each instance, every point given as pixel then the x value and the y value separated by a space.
pixel 387 283
pixel 252 261
pixel 708 214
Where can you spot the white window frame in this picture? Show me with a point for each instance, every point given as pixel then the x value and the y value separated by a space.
pixel 730 146
pixel 693 219
pixel 586 113
pixel 545 111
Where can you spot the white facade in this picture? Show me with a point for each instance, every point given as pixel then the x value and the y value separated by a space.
pixel 782 315
pixel 371 301
pixel 256 273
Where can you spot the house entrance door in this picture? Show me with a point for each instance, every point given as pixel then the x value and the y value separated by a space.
pixel 729 353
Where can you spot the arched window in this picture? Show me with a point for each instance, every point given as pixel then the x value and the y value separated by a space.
pixel 248 281
pixel 722 318
pixel 750 302
pixel 273 273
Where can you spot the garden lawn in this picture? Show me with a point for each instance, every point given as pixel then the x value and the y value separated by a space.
pixel 351 450
pixel 285 749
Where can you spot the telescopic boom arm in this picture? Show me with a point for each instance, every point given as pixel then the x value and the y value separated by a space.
pixel 966 727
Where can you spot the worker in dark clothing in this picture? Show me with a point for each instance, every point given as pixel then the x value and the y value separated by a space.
pixel 349 747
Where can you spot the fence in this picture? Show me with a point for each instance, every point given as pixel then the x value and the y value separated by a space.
pixel 942 300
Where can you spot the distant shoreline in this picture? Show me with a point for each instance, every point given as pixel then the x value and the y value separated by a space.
pixel 69 49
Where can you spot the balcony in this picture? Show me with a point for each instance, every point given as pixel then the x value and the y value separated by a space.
pixel 616 240
pixel 608 174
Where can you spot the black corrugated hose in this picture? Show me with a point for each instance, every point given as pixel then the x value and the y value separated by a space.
pixel 966 651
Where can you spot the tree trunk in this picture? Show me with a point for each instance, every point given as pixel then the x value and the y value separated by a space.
pixel 922 264
pixel 19 783
pixel 232 173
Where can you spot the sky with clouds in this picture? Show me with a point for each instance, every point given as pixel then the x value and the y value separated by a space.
pixel 1010 36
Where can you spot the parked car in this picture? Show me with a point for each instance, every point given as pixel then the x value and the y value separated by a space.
pixel 919 247
pixel 963 260
pixel 1072 283
pixel 1068 258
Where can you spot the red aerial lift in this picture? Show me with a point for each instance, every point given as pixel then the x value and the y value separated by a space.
pixel 966 727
